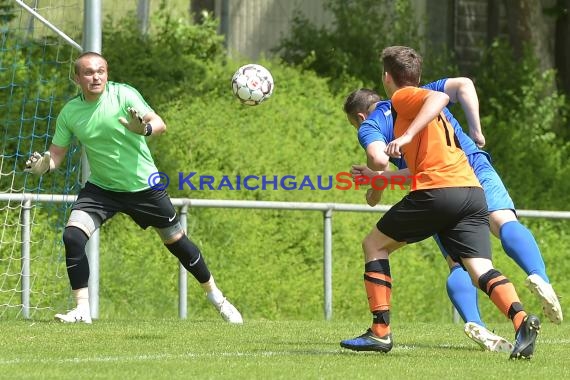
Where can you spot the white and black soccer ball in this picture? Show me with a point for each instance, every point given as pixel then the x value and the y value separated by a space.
pixel 252 84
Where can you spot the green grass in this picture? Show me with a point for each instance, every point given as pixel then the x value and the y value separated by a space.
pixel 172 349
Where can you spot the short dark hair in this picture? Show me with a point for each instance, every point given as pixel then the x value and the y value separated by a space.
pixel 86 54
pixel 360 101
pixel 404 64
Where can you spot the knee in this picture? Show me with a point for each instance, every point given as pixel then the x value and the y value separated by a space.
pixel 486 281
pixel 74 240
pixel 367 245
pixel 73 236
pixel 498 218
pixel 375 248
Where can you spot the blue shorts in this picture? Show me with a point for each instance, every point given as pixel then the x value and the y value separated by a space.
pixel 496 194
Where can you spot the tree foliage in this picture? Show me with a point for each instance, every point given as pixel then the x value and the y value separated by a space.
pixel 176 51
pixel 526 121
pixel 7 11
pixel 348 51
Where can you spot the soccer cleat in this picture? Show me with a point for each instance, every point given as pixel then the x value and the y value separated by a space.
pixel 486 339
pixel 229 312
pixel 526 337
pixel 547 296
pixel 81 314
pixel 369 342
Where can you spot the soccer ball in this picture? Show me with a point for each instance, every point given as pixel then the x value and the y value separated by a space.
pixel 252 84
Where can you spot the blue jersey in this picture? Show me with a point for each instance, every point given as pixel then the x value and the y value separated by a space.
pixel 379 126
pixel 496 193
pixel 467 144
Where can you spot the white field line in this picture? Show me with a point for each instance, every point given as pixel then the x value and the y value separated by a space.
pixel 153 357
pixel 261 354
pixel 188 355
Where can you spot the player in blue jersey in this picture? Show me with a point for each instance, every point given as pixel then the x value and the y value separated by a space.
pixel 373 119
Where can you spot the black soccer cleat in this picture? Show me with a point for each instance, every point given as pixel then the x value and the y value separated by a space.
pixel 525 338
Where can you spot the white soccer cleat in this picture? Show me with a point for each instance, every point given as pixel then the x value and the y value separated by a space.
pixel 229 312
pixel 226 309
pixel 547 297
pixel 81 314
pixel 486 339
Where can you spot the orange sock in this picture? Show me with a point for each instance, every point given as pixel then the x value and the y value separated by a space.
pixel 503 294
pixel 379 289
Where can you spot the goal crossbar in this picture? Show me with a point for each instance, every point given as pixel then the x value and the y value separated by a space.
pixel 43 20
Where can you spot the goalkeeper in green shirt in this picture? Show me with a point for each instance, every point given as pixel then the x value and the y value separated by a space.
pixel 111 121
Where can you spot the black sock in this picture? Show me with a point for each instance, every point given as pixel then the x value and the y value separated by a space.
pixel 190 257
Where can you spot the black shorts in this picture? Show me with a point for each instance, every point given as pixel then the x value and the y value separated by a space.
pixel 458 215
pixel 147 208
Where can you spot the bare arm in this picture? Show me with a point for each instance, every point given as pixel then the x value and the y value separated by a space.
pixel 389 174
pixel 158 125
pixel 57 154
pixel 377 159
pixel 434 103
pixel 462 90
pixel 364 171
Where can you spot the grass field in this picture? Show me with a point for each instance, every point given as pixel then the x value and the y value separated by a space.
pixel 175 349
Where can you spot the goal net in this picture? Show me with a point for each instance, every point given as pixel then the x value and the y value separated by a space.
pixel 36 72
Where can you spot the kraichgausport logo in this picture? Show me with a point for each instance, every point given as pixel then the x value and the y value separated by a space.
pixel 340 181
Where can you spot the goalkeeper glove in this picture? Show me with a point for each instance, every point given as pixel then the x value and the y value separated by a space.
pixel 38 164
pixel 136 124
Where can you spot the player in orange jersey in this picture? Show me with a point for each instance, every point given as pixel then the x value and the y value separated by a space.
pixel 446 199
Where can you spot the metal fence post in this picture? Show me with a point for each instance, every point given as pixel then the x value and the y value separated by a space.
pixel 93 284
pixel 327 262
pixel 92 41
pixel 455 315
pixel 182 273
pixel 26 239
pixel 143 11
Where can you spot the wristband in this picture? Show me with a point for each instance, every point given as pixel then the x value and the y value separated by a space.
pixel 147 129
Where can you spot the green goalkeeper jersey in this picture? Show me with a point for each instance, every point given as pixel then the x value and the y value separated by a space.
pixel 119 159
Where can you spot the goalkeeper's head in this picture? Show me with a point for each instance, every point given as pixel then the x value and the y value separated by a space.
pixel 91 75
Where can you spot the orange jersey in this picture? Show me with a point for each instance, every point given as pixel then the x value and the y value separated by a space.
pixel 434 155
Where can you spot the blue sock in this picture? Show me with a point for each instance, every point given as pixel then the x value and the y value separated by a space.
pixel 463 295
pixel 520 245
